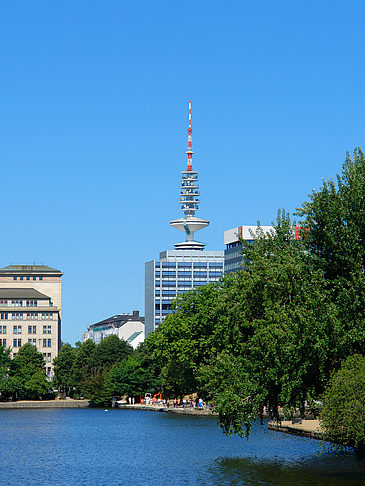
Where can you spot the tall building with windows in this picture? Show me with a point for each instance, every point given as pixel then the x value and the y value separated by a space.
pixel 30 309
pixel 189 265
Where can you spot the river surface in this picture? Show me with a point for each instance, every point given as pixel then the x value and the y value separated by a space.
pixel 128 447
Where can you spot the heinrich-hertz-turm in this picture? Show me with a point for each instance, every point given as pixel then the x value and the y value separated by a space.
pixel 189 265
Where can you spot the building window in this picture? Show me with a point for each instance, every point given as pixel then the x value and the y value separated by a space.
pixel 40 278
pixel 17 329
pixel 46 343
pixel 47 329
pixel 32 341
pixel 17 343
pixel 4 316
pixel 15 278
pixel 34 278
pixel 32 329
pixel 2 329
pixel 3 302
pixel 32 303
pixel 3 342
pixel 21 278
pixel 47 315
pixel 28 278
pixel 16 316
pixel 16 303
pixel 32 316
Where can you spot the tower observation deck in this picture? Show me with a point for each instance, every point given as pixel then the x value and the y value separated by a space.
pixel 189 200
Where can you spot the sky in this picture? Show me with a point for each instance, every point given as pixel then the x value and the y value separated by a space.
pixel 93 118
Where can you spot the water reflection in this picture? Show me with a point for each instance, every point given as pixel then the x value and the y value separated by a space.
pixel 322 470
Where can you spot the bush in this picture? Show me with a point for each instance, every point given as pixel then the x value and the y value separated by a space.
pixel 343 412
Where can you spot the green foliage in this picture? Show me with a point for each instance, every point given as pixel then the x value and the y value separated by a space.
pixel 63 367
pixel 5 361
pixel 28 360
pixel 110 351
pixel 94 387
pixel 26 378
pixel 131 378
pixel 342 415
pixel 81 365
pixel 335 219
pixel 36 386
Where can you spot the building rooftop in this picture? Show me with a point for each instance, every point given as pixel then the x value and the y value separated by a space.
pixel 118 320
pixel 29 270
pixel 18 293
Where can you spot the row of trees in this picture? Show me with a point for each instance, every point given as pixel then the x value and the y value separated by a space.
pixel 272 334
pixel 99 372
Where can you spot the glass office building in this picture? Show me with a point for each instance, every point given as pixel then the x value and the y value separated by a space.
pixel 233 241
pixel 176 272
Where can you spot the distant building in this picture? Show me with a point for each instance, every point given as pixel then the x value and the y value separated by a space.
pixel 128 327
pixel 30 309
pixel 232 239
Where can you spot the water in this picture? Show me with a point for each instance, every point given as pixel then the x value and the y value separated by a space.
pixel 127 447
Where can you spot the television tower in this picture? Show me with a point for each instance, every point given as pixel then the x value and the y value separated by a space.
pixel 189 200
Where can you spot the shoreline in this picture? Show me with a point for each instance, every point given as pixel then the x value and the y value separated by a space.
pixel 308 428
pixel 177 410
pixel 33 404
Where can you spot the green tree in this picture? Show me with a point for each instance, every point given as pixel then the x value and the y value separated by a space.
pixel 94 388
pixel 130 378
pixel 27 376
pixel 29 360
pixel 335 219
pixel 109 351
pixel 81 366
pixel 63 367
pixel 37 386
pixel 342 416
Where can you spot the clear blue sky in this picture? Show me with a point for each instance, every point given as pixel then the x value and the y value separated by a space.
pixel 94 116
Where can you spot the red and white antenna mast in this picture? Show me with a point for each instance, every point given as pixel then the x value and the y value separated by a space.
pixel 190 150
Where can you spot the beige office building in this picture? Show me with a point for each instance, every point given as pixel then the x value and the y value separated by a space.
pixel 30 309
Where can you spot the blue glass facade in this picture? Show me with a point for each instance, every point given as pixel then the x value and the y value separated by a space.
pixel 176 272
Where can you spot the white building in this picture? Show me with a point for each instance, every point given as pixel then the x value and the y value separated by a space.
pixel 128 327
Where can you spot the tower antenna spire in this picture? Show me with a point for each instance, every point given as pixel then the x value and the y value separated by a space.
pixel 190 149
pixel 189 200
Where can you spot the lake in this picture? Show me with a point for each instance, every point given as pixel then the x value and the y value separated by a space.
pixel 128 447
